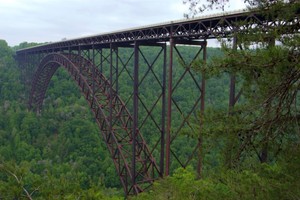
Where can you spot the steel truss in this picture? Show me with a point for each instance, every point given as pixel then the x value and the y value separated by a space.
pixel 90 60
pixel 175 110
pixel 208 27
pixel 136 167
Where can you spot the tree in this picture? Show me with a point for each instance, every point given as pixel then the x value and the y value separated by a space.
pixel 17 184
pixel 198 6
pixel 267 62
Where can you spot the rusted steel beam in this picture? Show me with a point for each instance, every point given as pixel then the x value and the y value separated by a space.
pixel 169 109
pixel 219 25
pixel 133 159
pixel 232 82
pixel 202 109
pixel 106 105
pixel 135 112
pixel 163 113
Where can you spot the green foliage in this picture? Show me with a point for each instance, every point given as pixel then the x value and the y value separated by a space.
pixel 264 126
pixel 23 182
pixel 56 155
pixel 264 181
pixel 267 69
pixel 60 153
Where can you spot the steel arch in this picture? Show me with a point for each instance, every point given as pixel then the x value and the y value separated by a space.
pixel 113 118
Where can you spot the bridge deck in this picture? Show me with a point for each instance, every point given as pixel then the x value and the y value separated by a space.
pixel 136 166
pixel 205 27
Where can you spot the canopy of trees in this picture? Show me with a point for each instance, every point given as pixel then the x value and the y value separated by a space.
pixel 250 151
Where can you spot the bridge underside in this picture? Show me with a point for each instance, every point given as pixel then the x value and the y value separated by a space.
pixel 142 145
pixel 121 122
pixel 113 118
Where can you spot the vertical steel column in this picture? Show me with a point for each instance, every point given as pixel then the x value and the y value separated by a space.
pixel 110 129
pixel 29 70
pixel 117 69
pixel 26 78
pixel 203 82
pixel 135 110
pixel 79 53
pixel 93 60
pixel 163 114
pixel 89 54
pixel 169 111
pixel 202 108
pixel 101 60
pixel 110 89
pixel 40 57
pixel 232 82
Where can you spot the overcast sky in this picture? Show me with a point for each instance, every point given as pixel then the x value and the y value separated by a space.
pixel 53 20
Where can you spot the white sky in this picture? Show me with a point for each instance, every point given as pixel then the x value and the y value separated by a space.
pixel 52 20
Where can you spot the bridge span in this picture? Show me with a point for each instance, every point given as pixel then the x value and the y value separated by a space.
pixel 99 68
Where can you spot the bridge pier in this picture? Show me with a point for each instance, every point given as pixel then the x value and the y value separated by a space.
pixel 165 131
pixel 147 63
pixel 199 85
pixel 233 97
pixel 90 60
pixel 121 67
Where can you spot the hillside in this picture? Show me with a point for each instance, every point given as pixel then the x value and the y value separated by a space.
pixel 59 154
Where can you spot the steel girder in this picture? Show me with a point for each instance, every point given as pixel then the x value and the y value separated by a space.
pixel 120 128
pixel 86 66
pixel 136 167
pixel 212 26
pixel 175 108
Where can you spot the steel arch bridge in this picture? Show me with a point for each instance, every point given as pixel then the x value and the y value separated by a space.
pixel 97 64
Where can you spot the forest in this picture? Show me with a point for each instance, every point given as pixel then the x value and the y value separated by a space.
pixel 249 151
